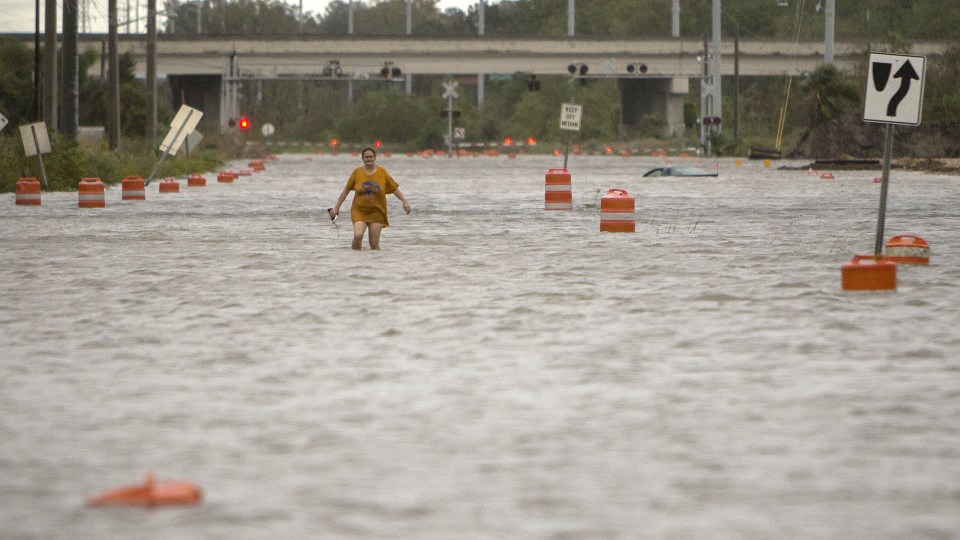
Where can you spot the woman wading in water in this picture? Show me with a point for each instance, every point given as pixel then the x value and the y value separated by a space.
pixel 371 184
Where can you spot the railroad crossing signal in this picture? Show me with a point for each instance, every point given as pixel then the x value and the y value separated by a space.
pixel 892 101
pixel 450 90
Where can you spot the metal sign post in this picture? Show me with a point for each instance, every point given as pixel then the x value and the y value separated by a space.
pixel 892 104
pixel 182 125
pixel 36 142
pixel 450 92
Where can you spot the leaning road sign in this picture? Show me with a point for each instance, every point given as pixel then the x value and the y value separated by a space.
pixel 894 89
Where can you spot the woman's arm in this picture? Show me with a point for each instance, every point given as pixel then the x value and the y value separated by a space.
pixel 343 196
pixel 406 205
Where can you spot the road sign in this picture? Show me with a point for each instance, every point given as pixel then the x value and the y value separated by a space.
pixel 894 89
pixel 268 129
pixel 3 122
pixel 35 139
pixel 501 76
pixel 570 116
pixel 450 90
pixel 459 133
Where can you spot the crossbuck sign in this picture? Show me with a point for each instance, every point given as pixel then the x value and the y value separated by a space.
pixel 570 116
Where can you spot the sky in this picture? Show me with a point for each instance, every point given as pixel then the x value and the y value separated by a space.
pixel 20 15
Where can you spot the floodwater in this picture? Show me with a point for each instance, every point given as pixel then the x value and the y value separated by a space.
pixel 496 371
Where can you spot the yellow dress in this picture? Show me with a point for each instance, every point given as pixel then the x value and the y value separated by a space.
pixel 370 195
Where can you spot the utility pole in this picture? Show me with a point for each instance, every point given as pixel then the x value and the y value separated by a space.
pixel 71 82
pixel 151 124
pixel 113 81
pixel 50 64
pixel 675 26
pixel 570 18
pixel 828 37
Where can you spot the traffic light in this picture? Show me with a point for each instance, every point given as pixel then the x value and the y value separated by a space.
pixel 533 84
pixel 244 123
pixel 711 120
pixel 580 69
pixel 636 69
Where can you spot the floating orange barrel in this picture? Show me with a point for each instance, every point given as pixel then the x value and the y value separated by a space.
pixel 556 190
pixel 151 493
pixel 878 274
pixel 827 176
pixel 132 189
pixel 169 185
pixel 226 177
pixel 28 191
pixel 90 192
pixel 616 212
pixel 256 165
pixel 907 249
pixel 196 180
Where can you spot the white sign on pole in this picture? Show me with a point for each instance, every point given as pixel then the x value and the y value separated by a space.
pixel 3 122
pixel 894 89
pixel 182 125
pixel 570 116
pixel 459 133
pixel 268 129
pixel 35 138
pixel 450 90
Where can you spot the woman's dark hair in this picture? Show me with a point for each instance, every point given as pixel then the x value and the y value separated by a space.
pixel 364 151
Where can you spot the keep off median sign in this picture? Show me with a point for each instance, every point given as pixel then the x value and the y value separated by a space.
pixel 570 116
pixel 894 89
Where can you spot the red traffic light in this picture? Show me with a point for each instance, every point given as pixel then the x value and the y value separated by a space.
pixel 244 123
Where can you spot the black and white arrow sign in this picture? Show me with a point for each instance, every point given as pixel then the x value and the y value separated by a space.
pixel 894 89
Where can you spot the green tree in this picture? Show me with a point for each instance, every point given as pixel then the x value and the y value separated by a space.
pixel 16 81
pixel 826 94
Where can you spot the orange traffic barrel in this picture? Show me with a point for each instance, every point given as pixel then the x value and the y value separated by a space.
pixel 151 493
pixel 256 165
pixel 132 189
pixel 28 191
pixel 90 192
pixel 556 190
pixel 226 177
pixel 878 274
pixel 169 185
pixel 196 180
pixel 826 176
pixel 616 212
pixel 907 249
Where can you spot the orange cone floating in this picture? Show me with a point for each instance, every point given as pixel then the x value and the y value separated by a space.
pixel 616 212
pixel 133 189
pixel 557 194
pixel 226 177
pixel 907 249
pixel 90 192
pixel 196 180
pixel 151 493
pixel 28 192
pixel 169 185
pixel 877 274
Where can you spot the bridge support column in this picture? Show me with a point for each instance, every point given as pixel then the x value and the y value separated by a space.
pixel 652 104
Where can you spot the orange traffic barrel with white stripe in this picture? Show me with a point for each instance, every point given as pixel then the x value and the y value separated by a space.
pixel 133 189
pixel 907 249
pixel 169 185
pixel 90 192
pixel 616 212
pixel 226 177
pixel 556 190
pixel 257 165
pixel 868 273
pixel 196 180
pixel 28 191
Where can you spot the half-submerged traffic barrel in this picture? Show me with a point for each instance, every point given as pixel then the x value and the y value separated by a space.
pixel 169 185
pixel 151 493
pixel 90 193
pixel 556 190
pixel 617 212
pixel 133 189
pixel 907 249
pixel 868 273
pixel 28 192
pixel 196 180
